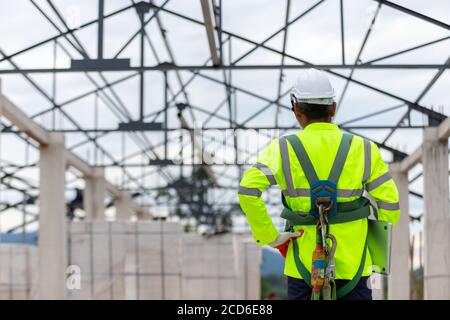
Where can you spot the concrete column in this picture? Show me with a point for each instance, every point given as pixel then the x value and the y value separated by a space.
pixel 94 195
pixel 52 220
pixel 123 206
pixel 437 221
pixel 399 286
pixel 1 104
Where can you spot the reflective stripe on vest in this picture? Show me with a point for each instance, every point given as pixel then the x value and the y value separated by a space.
pixel 286 165
pixel 267 172
pixel 367 160
pixel 249 191
pixel 378 181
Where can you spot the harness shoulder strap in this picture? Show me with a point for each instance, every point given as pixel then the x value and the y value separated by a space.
pixel 341 157
pixel 303 158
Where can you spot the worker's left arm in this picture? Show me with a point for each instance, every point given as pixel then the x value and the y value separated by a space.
pixel 381 186
pixel 254 181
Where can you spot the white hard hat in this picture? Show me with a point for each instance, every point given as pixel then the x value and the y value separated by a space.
pixel 312 86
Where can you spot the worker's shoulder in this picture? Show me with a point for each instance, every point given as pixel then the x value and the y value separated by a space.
pixel 297 133
pixel 274 144
pixel 271 146
pixel 358 140
pixel 355 137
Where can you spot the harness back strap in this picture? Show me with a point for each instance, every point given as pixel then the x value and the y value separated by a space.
pixel 307 166
pixel 341 157
pixel 353 210
pixel 303 158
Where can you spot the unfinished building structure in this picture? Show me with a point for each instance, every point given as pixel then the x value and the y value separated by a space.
pixel 118 112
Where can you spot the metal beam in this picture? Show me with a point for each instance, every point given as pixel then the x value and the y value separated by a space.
pixel 391 55
pixel 63 34
pixel 234 126
pixel 329 68
pixel 85 55
pixel 341 11
pixel 37 133
pixel 273 35
pixel 414 14
pixel 280 80
pixel 210 31
pixel 358 57
pixel 414 106
pixel 170 67
pixel 101 13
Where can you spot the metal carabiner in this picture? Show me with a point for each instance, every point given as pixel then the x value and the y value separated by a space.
pixel 329 272
pixel 323 225
pixel 321 200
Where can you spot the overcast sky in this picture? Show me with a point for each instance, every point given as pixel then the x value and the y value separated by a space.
pixel 315 38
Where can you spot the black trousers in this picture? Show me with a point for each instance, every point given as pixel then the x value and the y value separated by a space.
pixel 298 289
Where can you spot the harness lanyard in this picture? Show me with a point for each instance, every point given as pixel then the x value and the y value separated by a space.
pixel 318 266
pixel 329 287
pixel 318 259
pixel 323 266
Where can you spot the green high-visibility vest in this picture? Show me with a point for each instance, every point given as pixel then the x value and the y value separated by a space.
pixel 339 213
pixel 363 170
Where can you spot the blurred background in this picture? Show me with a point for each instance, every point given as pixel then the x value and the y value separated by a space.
pixel 126 126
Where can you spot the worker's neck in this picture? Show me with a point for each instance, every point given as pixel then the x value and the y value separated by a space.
pixel 316 121
pixel 319 120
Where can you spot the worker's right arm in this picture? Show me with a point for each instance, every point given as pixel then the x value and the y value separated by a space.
pixel 254 181
pixel 381 186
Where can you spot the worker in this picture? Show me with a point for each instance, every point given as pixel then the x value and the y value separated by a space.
pixel 322 173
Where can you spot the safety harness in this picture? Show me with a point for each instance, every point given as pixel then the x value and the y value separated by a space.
pixel 325 210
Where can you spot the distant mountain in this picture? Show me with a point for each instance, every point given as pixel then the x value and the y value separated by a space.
pixel 30 238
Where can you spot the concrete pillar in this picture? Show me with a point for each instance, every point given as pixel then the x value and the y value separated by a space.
pixel 94 195
pixel 399 286
pixel 52 220
pixel 1 104
pixel 123 206
pixel 437 221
